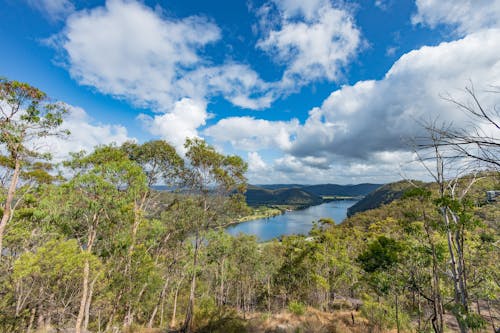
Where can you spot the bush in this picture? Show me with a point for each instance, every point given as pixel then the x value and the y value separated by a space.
pixel 297 308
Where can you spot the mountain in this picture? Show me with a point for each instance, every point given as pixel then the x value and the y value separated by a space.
pixel 256 196
pixel 380 196
pixel 280 186
pixel 341 190
pixel 302 195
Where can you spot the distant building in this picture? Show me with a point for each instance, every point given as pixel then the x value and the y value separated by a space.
pixel 492 195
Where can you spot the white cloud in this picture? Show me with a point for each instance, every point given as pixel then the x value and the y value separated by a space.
pixel 54 10
pixel 178 124
pixel 251 134
pixel 255 162
pixel 292 169
pixel 127 50
pixel 238 83
pixel 85 134
pixel 361 131
pixel 314 40
pixel 464 15
pixel 298 8
pixel 372 116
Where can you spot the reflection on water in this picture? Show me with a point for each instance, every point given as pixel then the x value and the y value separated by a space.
pixel 296 222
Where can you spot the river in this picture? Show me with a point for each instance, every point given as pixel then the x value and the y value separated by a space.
pixel 294 222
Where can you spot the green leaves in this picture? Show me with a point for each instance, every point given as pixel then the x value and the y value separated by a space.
pixel 381 254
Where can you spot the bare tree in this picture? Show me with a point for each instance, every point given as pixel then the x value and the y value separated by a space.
pixel 454 157
pixel 481 140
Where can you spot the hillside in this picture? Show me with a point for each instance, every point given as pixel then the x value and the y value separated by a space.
pixel 341 190
pixel 305 195
pixel 256 196
pixel 380 196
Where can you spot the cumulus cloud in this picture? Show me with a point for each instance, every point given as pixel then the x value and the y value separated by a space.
pixel 314 40
pixel 238 83
pixel 54 10
pixel 127 50
pixel 464 15
pixel 179 123
pixel 373 116
pixel 248 133
pixel 292 169
pixel 85 134
pixel 255 162
pixel 132 52
pixel 363 128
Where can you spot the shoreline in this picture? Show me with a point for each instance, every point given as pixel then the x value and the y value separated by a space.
pixel 282 209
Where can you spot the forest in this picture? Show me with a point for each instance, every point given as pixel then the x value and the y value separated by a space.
pixel 88 245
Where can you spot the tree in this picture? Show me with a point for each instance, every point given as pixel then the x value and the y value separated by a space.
pixel 101 201
pixel 380 261
pixel 454 175
pixel 26 116
pixel 217 183
pixel 479 141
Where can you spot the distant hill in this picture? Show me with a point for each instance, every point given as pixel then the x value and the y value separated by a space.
pixel 256 196
pixel 380 196
pixel 279 186
pixel 296 194
pixel 306 195
pixel 341 190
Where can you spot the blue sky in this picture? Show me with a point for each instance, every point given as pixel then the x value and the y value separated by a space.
pixel 306 91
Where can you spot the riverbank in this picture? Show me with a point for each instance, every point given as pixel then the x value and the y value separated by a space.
pixel 292 222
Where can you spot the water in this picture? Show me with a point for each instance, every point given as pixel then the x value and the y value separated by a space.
pixel 295 222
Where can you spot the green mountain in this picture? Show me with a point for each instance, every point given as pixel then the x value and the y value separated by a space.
pixel 341 190
pixel 302 195
pixel 256 196
pixel 380 196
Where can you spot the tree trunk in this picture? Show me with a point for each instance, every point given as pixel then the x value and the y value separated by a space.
pixel 7 207
pixel 87 305
pixel 268 294
pixel 397 313
pixel 160 299
pixel 458 283
pixel 84 299
pixel 174 312
pixel 32 320
pixel 221 296
pixel 86 276
pixel 186 327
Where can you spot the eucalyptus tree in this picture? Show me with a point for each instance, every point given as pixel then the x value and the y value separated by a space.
pixel 217 183
pixel 454 176
pixel 26 117
pixel 380 260
pixel 100 202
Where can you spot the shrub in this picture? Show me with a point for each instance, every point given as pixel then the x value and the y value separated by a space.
pixel 297 308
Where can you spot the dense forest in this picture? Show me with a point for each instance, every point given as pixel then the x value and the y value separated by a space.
pixel 87 245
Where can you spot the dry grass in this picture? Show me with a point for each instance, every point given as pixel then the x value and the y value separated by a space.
pixel 313 321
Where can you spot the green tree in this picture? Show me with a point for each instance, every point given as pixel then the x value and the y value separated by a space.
pixel 26 116
pixel 217 182
pixel 47 282
pixel 100 202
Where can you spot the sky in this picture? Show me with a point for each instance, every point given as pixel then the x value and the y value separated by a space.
pixel 316 91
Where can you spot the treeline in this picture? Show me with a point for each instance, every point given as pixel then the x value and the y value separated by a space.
pixel 89 246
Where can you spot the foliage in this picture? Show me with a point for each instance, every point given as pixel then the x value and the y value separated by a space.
pixel 103 251
pixel 297 308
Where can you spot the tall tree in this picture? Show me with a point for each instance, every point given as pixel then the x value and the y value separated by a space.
pixel 26 116
pixel 217 182
pixel 102 201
